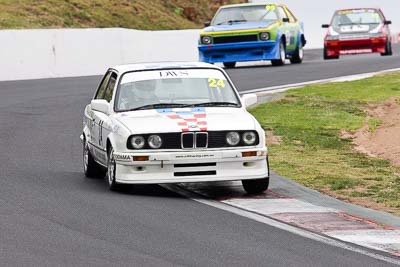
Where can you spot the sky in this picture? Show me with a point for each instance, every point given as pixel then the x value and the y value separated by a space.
pixel 314 13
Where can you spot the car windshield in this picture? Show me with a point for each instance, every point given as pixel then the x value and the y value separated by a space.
pixel 356 17
pixel 240 14
pixel 174 88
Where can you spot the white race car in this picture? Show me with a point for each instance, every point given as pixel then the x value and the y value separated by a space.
pixel 173 123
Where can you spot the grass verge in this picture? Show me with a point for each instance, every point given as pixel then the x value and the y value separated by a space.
pixel 312 152
pixel 138 14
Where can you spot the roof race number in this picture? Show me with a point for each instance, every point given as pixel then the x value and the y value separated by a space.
pixel 215 83
pixel 270 7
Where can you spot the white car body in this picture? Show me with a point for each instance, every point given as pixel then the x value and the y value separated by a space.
pixel 105 129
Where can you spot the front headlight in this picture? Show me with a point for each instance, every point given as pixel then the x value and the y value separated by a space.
pixel 232 138
pixel 249 138
pixel 154 141
pixel 206 40
pixel 264 36
pixel 137 141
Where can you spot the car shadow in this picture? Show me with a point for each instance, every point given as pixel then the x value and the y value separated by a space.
pixel 148 190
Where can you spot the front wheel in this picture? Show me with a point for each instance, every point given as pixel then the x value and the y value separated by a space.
pixel 326 57
pixel 255 186
pixel 111 168
pixel 229 65
pixel 298 55
pixel 388 49
pixel 282 56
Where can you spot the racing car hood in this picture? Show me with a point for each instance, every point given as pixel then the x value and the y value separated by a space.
pixel 186 119
pixel 238 26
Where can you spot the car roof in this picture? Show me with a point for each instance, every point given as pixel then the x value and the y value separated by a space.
pixel 358 8
pixel 252 4
pixel 162 65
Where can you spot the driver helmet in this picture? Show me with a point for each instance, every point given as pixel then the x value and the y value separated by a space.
pixel 145 89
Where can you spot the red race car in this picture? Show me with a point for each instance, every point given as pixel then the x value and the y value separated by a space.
pixel 357 31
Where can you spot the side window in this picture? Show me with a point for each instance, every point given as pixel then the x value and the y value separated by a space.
pixel 110 87
pixel 292 18
pixel 282 13
pixel 102 86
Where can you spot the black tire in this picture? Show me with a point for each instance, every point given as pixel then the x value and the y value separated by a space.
pixel 326 57
pixel 388 49
pixel 282 55
pixel 229 65
pixel 111 168
pixel 256 186
pixel 297 57
pixel 90 167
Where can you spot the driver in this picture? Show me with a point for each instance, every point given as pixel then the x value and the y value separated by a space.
pixel 144 92
pixel 138 94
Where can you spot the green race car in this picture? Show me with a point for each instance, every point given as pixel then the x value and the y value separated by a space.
pixel 250 32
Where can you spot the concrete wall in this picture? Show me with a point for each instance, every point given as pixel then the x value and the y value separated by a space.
pixel 31 54
pixel 34 54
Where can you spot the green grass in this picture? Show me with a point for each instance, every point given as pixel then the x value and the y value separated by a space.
pixel 312 152
pixel 137 14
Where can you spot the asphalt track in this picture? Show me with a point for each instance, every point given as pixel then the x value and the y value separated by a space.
pixel 51 215
pixel 263 75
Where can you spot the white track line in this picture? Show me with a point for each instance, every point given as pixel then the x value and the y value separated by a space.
pixel 277 224
pixel 281 88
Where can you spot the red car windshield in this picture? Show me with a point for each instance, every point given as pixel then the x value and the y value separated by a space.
pixel 361 20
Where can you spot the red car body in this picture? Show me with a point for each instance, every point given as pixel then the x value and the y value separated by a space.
pixel 357 38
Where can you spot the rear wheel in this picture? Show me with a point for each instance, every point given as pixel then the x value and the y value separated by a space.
pixel 326 57
pixel 90 167
pixel 388 49
pixel 229 65
pixel 298 55
pixel 282 55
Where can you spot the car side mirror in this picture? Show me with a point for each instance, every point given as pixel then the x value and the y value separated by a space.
pixel 249 100
pixel 285 20
pixel 325 25
pixel 207 23
pixel 100 105
pixel 388 22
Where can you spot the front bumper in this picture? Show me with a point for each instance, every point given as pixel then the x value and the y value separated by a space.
pixel 357 46
pixel 191 166
pixel 236 52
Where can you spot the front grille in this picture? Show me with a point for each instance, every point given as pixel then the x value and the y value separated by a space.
pixel 187 140
pixel 235 39
pixel 192 140
pixel 201 140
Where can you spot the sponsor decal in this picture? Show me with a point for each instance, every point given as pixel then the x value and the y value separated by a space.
pixel 122 157
pixel 166 74
pixel 190 119
pixel 195 156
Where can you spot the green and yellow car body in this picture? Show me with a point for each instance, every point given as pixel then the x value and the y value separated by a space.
pixel 253 39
